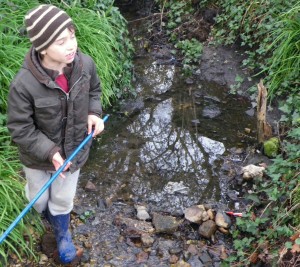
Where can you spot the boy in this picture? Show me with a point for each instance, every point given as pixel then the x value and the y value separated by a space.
pixel 53 102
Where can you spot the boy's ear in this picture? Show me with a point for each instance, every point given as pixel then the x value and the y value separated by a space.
pixel 43 52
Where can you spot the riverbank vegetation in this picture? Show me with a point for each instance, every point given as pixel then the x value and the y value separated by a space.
pixel 268 32
pixel 101 33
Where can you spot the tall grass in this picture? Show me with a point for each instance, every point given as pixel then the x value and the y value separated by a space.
pixel 285 62
pixel 100 36
pixel 12 201
pixel 97 37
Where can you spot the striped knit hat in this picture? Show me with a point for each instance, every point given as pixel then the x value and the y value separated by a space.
pixel 44 23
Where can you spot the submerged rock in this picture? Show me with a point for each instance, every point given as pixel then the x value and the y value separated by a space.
pixel 165 224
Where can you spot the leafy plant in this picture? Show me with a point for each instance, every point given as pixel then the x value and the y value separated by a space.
pixel 192 52
pixel 238 82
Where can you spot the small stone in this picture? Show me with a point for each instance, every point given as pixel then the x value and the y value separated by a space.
pixel 43 259
pixel 147 240
pixel 247 130
pixel 207 229
pixel 142 213
pixel 252 171
pixel 210 214
pixel 165 224
pixel 223 220
pixel 142 257
pixel 223 230
pixel 194 214
pixel 173 259
pixel 90 186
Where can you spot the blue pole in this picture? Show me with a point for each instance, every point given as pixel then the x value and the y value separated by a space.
pixel 46 186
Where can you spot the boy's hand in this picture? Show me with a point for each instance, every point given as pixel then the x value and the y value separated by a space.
pixel 96 123
pixel 58 161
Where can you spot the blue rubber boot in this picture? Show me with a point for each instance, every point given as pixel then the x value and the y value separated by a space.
pixel 66 248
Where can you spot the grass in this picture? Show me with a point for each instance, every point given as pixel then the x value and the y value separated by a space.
pixel 100 36
pixel 285 61
pixel 12 201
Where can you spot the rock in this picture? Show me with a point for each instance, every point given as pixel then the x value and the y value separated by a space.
pixel 142 257
pixel 173 259
pixel 223 220
pixel 142 213
pixel 271 147
pixel 43 259
pixel 210 214
pixel 147 240
pixel 211 112
pixel 134 228
pixel 206 259
pixel 102 205
pixel 194 214
pixel 251 171
pixel 223 230
pixel 195 261
pixel 207 229
pixel 181 263
pixel 165 224
pixel 90 186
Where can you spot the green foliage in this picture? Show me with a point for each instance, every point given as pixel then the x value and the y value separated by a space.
pixel 86 215
pixel 238 82
pixel 12 201
pixel 102 33
pixel 250 23
pixel 13 45
pixel 284 64
pixel 279 219
pixel 192 51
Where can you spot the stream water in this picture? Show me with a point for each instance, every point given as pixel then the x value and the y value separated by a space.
pixel 180 137
pixel 170 154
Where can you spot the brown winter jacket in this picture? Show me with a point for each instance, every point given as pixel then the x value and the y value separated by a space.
pixel 43 119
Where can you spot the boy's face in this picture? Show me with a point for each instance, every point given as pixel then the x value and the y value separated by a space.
pixel 61 51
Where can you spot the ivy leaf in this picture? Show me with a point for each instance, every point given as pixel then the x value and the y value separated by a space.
pixel 288 245
pixel 254 198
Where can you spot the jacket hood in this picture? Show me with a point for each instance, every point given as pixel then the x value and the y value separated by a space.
pixel 32 63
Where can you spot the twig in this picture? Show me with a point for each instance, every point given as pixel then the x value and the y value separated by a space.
pixel 152 15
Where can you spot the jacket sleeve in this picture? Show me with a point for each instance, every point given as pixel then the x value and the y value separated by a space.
pixel 95 92
pixel 20 123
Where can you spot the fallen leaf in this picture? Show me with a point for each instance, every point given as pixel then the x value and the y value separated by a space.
pixel 253 257
pixel 295 236
pixel 295 248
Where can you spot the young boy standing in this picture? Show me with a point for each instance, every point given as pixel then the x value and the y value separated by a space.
pixel 53 103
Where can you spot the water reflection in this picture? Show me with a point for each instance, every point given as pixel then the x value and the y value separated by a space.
pixel 159 78
pixel 160 147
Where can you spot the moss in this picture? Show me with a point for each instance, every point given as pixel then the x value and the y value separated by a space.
pixel 271 147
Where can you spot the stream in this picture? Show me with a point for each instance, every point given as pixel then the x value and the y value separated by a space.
pixel 172 147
